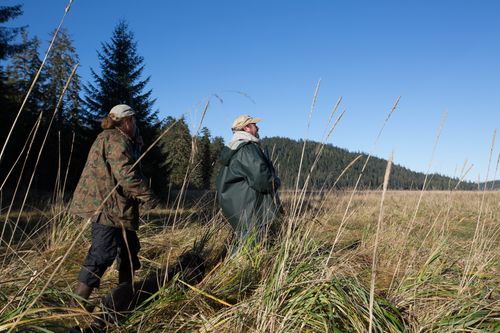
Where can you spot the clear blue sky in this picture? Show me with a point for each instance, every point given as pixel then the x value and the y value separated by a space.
pixel 437 55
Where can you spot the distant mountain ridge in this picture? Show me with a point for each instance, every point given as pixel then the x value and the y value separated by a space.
pixel 340 168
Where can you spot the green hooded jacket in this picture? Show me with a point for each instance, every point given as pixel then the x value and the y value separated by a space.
pixel 247 188
pixel 109 163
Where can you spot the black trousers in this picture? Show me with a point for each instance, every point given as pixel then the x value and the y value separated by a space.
pixel 109 243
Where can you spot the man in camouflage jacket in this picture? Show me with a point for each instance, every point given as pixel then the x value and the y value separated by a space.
pixel 110 191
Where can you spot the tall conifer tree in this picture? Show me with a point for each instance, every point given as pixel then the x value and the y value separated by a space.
pixel 177 144
pixel 8 47
pixel 21 71
pixel 60 63
pixel 216 147
pixel 205 159
pixel 68 122
pixel 120 81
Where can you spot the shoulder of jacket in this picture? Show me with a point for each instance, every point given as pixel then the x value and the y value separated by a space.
pixel 251 148
pixel 114 135
pixel 246 146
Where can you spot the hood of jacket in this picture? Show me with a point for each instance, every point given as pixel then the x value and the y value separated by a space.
pixel 239 139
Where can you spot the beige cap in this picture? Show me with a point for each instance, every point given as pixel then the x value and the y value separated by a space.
pixel 242 121
pixel 121 111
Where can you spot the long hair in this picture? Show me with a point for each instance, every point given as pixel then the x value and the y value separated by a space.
pixel 108 123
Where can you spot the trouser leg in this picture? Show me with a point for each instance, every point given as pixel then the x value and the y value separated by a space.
pixel 128 260
pixel 101 254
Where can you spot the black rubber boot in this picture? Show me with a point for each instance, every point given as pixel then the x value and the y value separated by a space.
pixel 125 276
pixel 83 291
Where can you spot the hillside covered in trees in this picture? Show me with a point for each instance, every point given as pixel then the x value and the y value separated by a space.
pixel 340 168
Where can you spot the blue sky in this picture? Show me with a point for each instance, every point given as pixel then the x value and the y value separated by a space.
pixel 439 56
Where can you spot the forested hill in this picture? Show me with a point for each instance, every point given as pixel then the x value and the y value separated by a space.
pixel 490 185
pixel 286 154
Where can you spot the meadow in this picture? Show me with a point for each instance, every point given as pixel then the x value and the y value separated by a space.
pixel 344 261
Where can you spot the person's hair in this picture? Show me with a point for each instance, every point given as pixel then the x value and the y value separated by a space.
pixel 108 123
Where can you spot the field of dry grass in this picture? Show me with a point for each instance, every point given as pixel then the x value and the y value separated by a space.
pixel 436 269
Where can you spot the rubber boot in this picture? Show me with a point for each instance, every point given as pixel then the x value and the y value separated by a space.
pixel 83 291
pixel 125 276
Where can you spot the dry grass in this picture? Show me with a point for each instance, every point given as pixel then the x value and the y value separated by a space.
pixel 297 284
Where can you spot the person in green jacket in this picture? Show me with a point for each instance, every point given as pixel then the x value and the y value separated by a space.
pixel 110 192
pixel 247 183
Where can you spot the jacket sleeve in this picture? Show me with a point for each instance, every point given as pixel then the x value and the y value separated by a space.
pixel 120 158
pixel 255 169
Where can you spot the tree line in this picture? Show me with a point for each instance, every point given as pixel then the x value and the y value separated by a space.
pixel 48 146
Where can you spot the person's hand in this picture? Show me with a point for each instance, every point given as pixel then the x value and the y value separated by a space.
pixel 150 204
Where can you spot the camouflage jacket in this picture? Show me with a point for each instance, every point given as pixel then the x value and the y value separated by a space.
pixel 109 164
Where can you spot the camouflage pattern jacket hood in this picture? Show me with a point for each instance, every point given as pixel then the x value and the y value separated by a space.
pixel 109 164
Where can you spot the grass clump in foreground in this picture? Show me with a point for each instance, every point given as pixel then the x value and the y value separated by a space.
pixel 437 271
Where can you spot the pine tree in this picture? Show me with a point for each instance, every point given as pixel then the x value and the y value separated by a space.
pixel 216 147
pixel 9 91
pixel 60 63
pixel 68 131
pixel 204 159
pixel 177 147
pixel 8 47
pixel 8 34
pixel 21 71
pixel 119 81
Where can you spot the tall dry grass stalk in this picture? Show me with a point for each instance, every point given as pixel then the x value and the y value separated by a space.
pixel 59 102
pixel 313 103
pixel 481 240
pixel 298 196
pixel 28 144
pixel 375 246
pixel 375 143
pixel 495 175
pixel 297 209
pixel 411 225
pixel 190 167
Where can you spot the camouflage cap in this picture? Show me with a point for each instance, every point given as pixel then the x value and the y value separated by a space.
pixel 121 111
pixel 243 121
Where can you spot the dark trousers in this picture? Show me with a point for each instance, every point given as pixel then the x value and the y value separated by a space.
pixel 110 243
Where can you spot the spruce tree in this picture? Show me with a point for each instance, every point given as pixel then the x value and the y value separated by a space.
pixel 177 147
pixel 8 34
pixel 204 159
pixel 119 81
pixel 20 73
pixel 9 91
pixel 67 132
pixel 216 147
pixel 60 63
pixel 8 47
